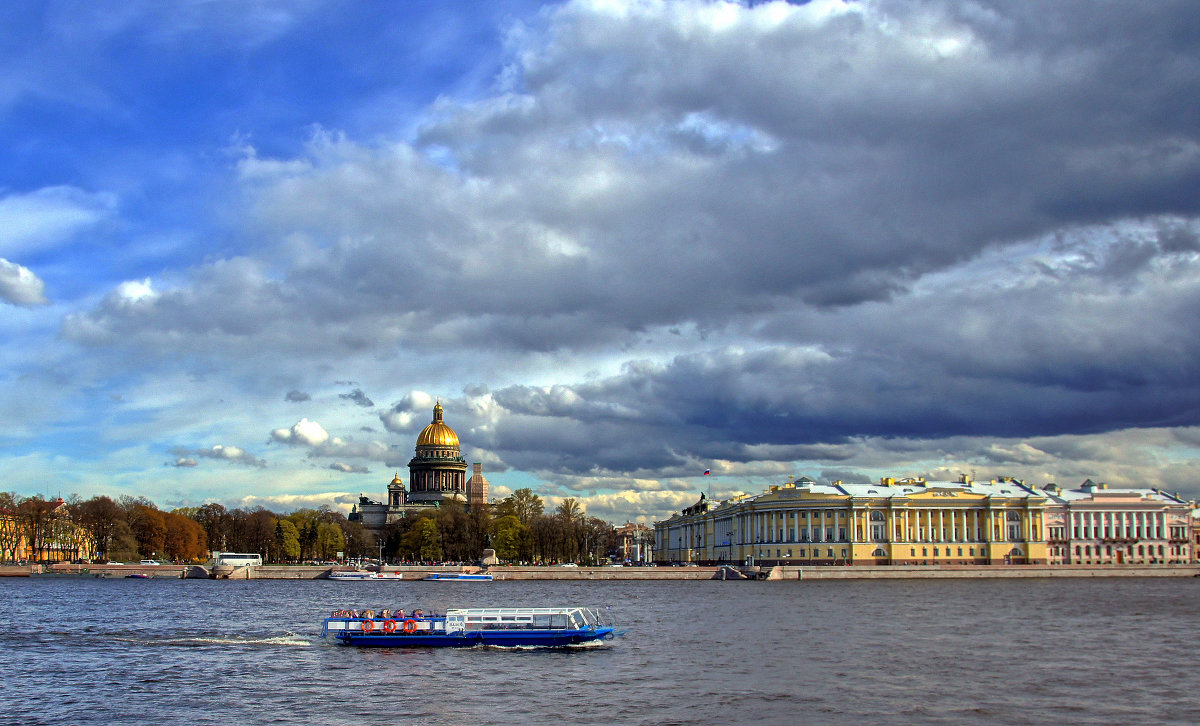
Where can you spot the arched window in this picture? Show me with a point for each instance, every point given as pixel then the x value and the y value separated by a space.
pixel 1016 552
pixel 879 552
pixel 876 516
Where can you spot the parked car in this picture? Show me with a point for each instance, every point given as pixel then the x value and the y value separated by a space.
pixel 149 562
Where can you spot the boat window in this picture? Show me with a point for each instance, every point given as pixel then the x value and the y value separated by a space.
pixel 541 620
pixel 558 621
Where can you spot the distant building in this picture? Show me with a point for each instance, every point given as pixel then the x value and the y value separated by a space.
pixel 55 537
pixel 1101 525
pixel 437 474
pixel 635 542
pixel 894 522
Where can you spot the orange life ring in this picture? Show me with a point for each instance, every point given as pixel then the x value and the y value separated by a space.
pixel 389 626
pixel 410 626
pixel 368 626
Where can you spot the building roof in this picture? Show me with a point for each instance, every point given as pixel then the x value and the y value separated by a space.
pixel 438 433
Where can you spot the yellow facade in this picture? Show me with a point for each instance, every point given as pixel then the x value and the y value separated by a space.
pixel 892 523
pixel 63 540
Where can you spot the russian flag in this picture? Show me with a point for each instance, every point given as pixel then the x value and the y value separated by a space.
pixel 707 472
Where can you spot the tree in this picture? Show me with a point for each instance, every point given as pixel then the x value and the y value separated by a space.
pixel 34 519
pixel 330 540
pixel 149 528
pixel 512 539
pixel 10 531
pixel 99 517
pixel 430 539
pixel 522 504
pixel 215 520
pixel 287 540
pixel 185 539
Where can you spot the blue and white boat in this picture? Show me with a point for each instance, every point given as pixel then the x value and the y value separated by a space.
pixel 458 577
pixel 465 627
pixel 362 575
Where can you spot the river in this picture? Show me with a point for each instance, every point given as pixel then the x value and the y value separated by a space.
pixel 165 651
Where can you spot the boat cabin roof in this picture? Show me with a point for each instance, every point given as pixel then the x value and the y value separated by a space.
pixel 475 612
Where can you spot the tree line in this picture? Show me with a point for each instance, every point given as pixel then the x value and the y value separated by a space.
pixel 132 528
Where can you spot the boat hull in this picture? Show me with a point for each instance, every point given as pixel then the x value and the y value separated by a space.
pixel 535 639
pixel 454 577
pixel 365 576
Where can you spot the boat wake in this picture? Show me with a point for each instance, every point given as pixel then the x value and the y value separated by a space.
pixel 569 646
pixel 289 639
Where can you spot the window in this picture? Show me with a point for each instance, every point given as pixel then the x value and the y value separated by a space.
pixel 960 551
pixel 935 551
pixel 879 552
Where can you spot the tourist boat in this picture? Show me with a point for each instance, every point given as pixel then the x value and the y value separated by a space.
pixel 458 577
pixel 545 627
pixel 361 575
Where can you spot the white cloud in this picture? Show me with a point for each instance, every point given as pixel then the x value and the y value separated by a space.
pixel 48 217
pixel 19 286
pixel 221 452
pixel 302 433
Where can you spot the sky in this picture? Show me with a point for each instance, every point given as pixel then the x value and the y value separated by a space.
pixel 245 246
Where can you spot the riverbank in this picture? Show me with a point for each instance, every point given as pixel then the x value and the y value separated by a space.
pixel 414 572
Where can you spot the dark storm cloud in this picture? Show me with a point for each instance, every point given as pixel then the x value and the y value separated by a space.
pixel 842 159
pixel 895 222
pixel 297 396
pixel 358 398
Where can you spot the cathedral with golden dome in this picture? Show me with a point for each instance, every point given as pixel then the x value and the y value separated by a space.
pixel 437 474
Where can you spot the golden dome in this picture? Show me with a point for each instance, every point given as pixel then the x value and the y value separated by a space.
pixel 438 433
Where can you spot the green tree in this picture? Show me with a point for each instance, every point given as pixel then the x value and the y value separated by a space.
pixel 430 539
pixel 512 539
pixel 522 504
pixel 330 540
pixel 287 540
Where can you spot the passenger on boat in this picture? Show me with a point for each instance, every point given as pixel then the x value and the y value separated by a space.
pixel 418 613
pixel 399 614
pixel 385 613
pixel 368 614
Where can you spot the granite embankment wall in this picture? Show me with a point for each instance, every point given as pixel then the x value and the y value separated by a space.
pixel 286 572
pixel 979 572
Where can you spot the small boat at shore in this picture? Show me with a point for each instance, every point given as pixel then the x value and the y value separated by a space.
pixel 458 577
pixel 358 575
pixel 465 627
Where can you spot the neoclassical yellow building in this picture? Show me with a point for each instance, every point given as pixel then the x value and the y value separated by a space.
pixel 894 522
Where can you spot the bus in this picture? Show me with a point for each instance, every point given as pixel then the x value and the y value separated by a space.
pixel 236 559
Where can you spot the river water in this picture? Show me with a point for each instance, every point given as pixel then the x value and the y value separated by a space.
pixel 123 651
